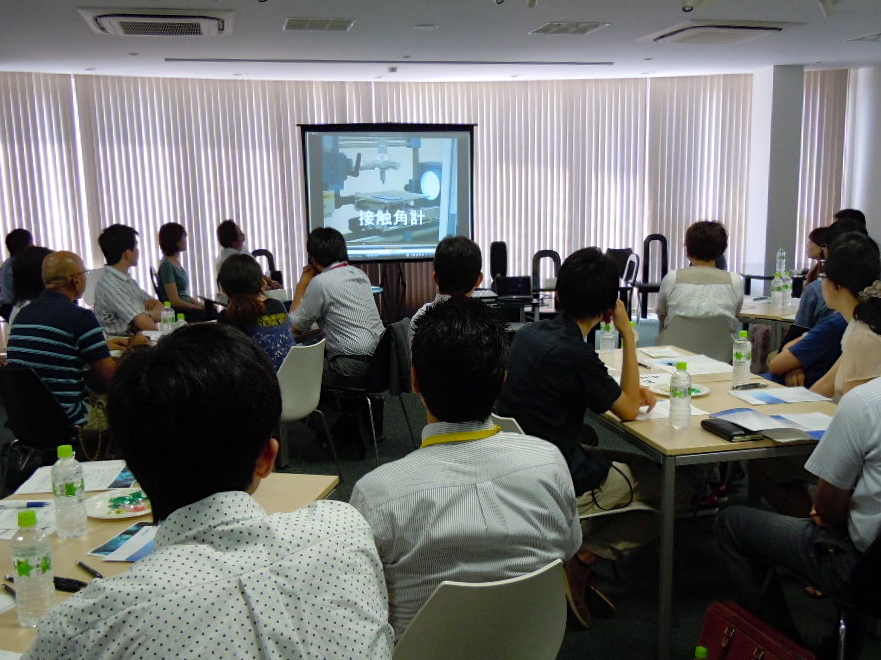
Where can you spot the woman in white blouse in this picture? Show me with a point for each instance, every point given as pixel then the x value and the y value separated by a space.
pixel 701 290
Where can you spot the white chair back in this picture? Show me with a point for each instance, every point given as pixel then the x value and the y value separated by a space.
pixel 710 336
pixel 522 618
pixel 508 424
pixel 300 379
pixel 92 278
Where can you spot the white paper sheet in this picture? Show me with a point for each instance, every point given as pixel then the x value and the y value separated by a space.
pixel 9 520
pixel 7 601
pixel 98 476
pixel 661 352
pixel 760 397
pixel 697 365
pixel 662 411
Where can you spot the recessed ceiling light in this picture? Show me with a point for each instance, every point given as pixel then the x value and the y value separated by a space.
pixel 406 57
pixel 91 68
pixel 425 26
pixel 134 54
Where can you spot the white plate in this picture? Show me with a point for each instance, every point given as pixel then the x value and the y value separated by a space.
pixel 696 390
pixel 98 506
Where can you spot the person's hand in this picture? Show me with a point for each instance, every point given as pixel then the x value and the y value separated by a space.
pixel 621 318
pixel 137 340
pixel 273 284
pixel 795 378
pixel 647 398
pixel 818 519
pixel 309 271
pixel 151 303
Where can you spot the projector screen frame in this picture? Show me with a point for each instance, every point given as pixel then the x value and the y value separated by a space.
pixel 315 194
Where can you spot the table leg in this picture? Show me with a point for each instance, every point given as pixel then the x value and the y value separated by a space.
pixel 665 590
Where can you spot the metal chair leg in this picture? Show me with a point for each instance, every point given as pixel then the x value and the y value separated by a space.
pixel 332 444
pixel 372 427
pixel 283 459
pixel 413 438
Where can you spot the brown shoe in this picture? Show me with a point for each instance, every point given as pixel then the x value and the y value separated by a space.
pixel 584 595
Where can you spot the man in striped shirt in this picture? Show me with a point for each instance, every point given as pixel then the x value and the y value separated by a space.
pixel 473 503
pixel 338 297
pixel 57 338
pixel 120 304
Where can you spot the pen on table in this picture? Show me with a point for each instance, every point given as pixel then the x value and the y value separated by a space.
pixel 22 504
pixel 750 386
pixel 9 590
pixel 88 569
pixel 643 365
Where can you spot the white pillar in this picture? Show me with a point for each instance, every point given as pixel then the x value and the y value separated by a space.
pixel 863 189
pixel 775 156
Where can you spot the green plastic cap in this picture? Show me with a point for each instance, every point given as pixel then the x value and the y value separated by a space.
pixel 744 334
pixel 607 327
pixel 180 317
pixel 700 653
pixel 682 366
pixel 633 324
pixel 65 451
pixel 27 518
pixel 168 303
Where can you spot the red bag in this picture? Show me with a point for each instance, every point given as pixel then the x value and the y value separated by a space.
pixel 732 633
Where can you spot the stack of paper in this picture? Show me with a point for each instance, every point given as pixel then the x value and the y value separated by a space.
pixel 99 475
pixel 788 428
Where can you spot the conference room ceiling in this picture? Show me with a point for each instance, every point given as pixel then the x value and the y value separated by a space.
pixel 434 40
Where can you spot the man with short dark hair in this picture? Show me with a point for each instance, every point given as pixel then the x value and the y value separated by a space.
pixel 120 304
pixel 457 272
pixel 225 578
pixel 472 503
pixel 554 377
pixel 58 339
pixel 337 296
pixel 16 241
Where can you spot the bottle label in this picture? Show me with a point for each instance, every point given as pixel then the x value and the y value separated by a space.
pixel 33 566
pixel 68 489
pixel 742 356
pixel 679 392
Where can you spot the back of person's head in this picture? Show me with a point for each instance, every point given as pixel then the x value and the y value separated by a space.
pixel 706 240
pixel 27 273
pixel 326 245
pixel 842 227
pixel 193 414
pixel 170 235
pixel 819 236
pixel 587 284
pixel 459 348
pixel 17 240
pixel 227 233
pixel 115 240
pixel 457 265
pixel 851 215
pixel 241 280
pixel 854 263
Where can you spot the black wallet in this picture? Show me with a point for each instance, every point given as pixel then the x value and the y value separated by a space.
pixel 729 430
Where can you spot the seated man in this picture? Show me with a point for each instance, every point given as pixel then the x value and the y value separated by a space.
pixel 457 272
pixel 845 519
pixel 57 338
pixel 225 578
pixel 471 504
pixel 806 359
pixel 338 297
pixel 554 377
pixel 120 304
pixel 16 241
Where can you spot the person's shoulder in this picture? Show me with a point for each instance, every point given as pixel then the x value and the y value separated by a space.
pixel 274 306
pixel 325 518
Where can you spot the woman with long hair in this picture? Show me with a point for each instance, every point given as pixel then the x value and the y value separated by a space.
pixel 263 319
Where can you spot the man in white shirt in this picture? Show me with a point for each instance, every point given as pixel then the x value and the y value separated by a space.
pixel 225 578
pixel 122 307
pixel 472 503
pixel 844 521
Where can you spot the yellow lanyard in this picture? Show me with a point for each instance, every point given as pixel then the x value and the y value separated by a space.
pixel 460 436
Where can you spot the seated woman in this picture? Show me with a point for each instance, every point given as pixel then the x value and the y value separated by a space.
pixel 852 288
pixel 816 248
pixel 702 290
pixel 174 283
pixel 263 319
pixel 27 278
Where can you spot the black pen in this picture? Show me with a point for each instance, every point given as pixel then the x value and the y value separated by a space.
pixel 70 585
pixel 750 386
pixel 88 569
pixel 9 590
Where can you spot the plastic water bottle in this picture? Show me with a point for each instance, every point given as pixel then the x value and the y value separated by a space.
pixel 181 320
pixel 680 397
pixel 787 288
pixel 781 260
pixel 166 322
pixel 32 566
pixel 69 488
pixel 608 341
pixel 742 357
pixel 700 653
pixel 777 291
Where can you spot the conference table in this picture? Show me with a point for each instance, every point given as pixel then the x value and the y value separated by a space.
pixel 278 493
pixel 671 448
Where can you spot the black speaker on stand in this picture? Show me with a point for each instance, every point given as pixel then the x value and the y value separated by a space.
pixel 498 261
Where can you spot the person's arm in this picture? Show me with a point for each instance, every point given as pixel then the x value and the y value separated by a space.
pixel 104 371
pixel 633 396
pixel 826 384
pixel 666 287
pixel 176 301
pixel 309 272
pixel 831 506
pixel 785 361
pixel 144 321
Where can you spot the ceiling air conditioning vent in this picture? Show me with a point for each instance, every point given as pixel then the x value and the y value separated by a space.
pixel 319 24
pixel 716 32
pixel 568 27
pixel 158 23
pixel 876 37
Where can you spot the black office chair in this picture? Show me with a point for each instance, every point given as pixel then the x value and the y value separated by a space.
pixel 157 285
pixel 863 604
pixel 646 286
pixel 37 420
pixel 270 263
pixel 537 258
pixel 628 266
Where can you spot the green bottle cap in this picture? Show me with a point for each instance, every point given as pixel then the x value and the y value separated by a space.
pixel 27 518
pixel 700 653
pixel 744 334
pixel 65 451
pixel 682 366
pixel 180 317
pixel 168 303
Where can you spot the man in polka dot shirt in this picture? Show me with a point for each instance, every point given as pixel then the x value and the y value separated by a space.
pixel 225 579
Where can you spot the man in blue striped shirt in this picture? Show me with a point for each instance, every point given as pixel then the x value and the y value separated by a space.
pixel 57 338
